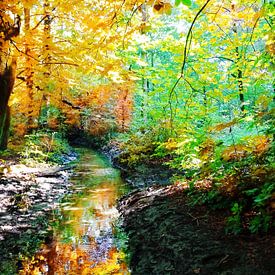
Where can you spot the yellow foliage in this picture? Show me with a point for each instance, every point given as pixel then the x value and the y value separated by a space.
pixel 235 152
pixel 171 144
pixel 207 149
pixel 259 144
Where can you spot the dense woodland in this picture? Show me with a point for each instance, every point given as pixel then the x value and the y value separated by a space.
pixel 185 83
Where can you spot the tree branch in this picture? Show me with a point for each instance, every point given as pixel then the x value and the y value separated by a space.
pixel 64 100
pixel 185 55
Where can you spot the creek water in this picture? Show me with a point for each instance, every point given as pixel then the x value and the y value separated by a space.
pixel 85 238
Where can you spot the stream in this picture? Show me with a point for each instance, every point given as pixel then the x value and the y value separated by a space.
pixel 84 236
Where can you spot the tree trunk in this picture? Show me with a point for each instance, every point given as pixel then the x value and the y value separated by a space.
pixel 9 28
pixel 240 80
pixel 239 73
pixel 29 72
pixel 45 100
pixel 7 79
pixel 145 82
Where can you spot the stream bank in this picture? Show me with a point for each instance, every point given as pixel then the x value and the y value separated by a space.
pixel 69 225
pixel 142 175
pixel 166 235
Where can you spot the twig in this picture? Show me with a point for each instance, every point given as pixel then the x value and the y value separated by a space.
pixel 194 218
pixel 223 260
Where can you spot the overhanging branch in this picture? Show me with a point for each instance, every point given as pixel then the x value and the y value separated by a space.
pixel 185 55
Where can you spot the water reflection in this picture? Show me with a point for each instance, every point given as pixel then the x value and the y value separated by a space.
pixel 83 227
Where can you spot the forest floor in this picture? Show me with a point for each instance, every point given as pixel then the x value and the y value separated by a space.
pixel 167 236
pixel 27 194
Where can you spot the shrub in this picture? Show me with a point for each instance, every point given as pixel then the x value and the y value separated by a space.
pixel 44 147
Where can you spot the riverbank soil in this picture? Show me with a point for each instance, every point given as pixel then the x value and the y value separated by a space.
pixel 166 236
pixel 141 175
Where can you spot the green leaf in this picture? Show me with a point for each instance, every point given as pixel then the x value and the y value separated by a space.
pixel 187 2
pixel 184 2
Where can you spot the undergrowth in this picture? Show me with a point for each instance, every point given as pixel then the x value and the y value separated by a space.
pixel 44 147
pixel 233 174
pixel 241 185
pixel 138 147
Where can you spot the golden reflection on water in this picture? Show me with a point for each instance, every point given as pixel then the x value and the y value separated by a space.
pixel 83 241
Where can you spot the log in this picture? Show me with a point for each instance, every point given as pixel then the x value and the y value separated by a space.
pixel 54 171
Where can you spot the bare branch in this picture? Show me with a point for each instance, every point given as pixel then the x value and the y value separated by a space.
pixel 23 52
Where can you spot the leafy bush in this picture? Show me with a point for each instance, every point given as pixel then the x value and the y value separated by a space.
pixel 237 177
pixel 139 147
pixel 245 186
pixel 44 147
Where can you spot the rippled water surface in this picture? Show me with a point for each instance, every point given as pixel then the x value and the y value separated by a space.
pixel 85 238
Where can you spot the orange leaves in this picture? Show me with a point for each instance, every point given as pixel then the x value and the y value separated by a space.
pixel 222 126
pixel 234 152
pixel 102 108
pixel 257 146
pixel 162 6
pixel 20 130
pixel 207 149
pixel 62 257
pixel 123 108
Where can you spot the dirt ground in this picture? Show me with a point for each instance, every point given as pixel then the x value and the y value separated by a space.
pixel 166 236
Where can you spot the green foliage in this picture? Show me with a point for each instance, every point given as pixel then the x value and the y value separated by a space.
pixel 234 223
pixel 184 2
pixel 44 147
pixel 244 185
pixel 260 222
pixel 137 149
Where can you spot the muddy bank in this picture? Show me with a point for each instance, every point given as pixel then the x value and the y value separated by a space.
pixel 28 194
pixel 166 236
pixel 141 175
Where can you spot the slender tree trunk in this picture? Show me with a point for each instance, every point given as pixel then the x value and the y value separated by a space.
pixel 29 71
pixel 240 81
pixel 144 102
pixel 205 102
pixel 145 81
pixel 45 101
pixel 239 72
